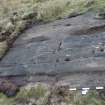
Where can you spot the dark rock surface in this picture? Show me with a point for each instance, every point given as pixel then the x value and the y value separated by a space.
pixel 60 50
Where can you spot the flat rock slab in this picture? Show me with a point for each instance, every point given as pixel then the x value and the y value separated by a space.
pixel 60 49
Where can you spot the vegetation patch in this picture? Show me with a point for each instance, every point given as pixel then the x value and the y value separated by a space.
pixel 37 94
pixel 43 94
pixel 56 9
pixel 63 96
pixel 3 48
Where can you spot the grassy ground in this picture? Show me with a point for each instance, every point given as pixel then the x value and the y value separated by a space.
pixel 41 94
pixel 47 9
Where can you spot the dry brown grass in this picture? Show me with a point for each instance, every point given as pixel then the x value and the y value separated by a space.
pixel 47 9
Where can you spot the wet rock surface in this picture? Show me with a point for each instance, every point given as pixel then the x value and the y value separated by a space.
pixel 58 50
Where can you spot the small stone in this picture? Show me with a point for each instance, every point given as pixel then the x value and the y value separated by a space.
pixel 67 59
